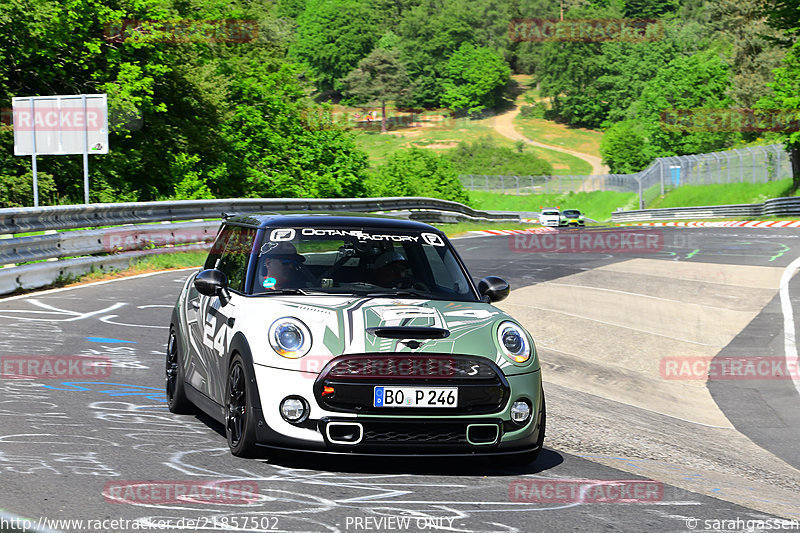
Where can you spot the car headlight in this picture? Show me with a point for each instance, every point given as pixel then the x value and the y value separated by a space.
pixel 290 338
pixel 513 342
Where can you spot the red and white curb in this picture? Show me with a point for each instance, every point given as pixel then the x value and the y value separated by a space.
pixel 728 224
pixel 512 231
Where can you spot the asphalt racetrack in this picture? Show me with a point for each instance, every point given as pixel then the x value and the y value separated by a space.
pixel 637 440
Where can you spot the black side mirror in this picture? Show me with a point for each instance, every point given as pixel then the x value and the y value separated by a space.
pixel 493 288
pixel 213 282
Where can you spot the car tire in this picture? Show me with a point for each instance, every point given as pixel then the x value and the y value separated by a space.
pixel 177 402
pixel 240 422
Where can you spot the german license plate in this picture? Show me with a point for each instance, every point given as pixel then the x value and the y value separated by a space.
pixel 415 397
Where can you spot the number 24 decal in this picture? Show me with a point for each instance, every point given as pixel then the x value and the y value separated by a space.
pixel 216 342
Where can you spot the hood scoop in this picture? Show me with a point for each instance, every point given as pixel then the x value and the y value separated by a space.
pixel 409 332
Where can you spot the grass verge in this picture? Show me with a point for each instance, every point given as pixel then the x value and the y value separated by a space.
pixel 548 132
pixel 597 205
pixel 721 194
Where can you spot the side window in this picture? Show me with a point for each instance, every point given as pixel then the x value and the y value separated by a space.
pixel 445 269
pixel 238 244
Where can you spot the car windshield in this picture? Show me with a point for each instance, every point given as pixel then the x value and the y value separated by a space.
pixel 572 214
pixel 368 262
pixel 549 212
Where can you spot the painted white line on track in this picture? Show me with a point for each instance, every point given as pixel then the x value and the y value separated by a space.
pixel 789 340
pixel 36 294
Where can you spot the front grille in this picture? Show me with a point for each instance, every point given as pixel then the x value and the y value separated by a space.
pixel 420 434
pixel 428 367
pixel 350 381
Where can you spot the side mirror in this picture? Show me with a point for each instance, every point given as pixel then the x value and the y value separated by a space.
pixel 493 288
pixel 213 282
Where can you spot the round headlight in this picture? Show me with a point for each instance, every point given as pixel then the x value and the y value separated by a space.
pixel 514 342
pixel 290 338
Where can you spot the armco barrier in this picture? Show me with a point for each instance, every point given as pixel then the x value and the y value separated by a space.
pixel 72 253
pixel 61 217
pixel 777 207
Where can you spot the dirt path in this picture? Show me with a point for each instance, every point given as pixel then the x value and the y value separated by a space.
pixel 504 124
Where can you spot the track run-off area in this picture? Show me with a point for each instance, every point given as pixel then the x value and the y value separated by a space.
pixel 667 367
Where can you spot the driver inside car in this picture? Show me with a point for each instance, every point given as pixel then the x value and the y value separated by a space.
pixel 390 268
pixel 281 266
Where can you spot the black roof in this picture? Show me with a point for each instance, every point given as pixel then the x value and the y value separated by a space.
pixel 307 219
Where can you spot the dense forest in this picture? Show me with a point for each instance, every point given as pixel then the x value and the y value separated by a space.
pixel 245 112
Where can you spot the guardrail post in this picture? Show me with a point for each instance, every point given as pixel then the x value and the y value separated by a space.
pixel 641 195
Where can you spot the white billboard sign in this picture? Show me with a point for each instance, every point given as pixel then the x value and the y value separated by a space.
pixel 60 125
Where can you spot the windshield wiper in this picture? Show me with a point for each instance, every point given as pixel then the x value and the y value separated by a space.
pixel 389 294
pixel 304 292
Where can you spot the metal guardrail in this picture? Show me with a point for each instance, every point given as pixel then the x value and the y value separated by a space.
pixel 73 253
pixel 773 207
pixel 29 219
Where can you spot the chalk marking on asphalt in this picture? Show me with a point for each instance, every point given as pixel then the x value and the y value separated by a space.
pixel 107 319
pixel 76 315
pixel 62 289
pixel 789 340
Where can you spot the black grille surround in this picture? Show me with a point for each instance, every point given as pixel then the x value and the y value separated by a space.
pixel 414 435
pixel 482 387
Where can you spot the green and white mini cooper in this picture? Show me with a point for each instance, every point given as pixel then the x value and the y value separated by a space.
pixel 354 335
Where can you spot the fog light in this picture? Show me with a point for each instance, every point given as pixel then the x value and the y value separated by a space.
pixel 294 409
pixel 520 412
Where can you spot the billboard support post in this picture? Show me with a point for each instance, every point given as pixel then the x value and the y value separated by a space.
pixel 85 155
pixel 33 163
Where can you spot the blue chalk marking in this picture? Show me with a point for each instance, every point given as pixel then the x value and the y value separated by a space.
pixel 103 339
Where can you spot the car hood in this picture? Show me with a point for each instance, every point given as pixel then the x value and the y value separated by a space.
pixel 340 326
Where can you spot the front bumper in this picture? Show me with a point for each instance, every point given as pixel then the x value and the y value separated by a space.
pixel 335 432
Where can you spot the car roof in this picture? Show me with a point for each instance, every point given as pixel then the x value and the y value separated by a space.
pixel 307 219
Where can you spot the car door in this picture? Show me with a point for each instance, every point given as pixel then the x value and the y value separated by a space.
pixel 211 331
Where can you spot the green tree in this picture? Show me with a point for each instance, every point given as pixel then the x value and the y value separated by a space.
pixel 625 148
pixel 378 78
pixel 474 79
pixel 786 95
pixel 418 172
pixel 484 156
pixel 696 82
pixel 333 36
pixel 783 15
pixel 650 9
pixel 753 54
